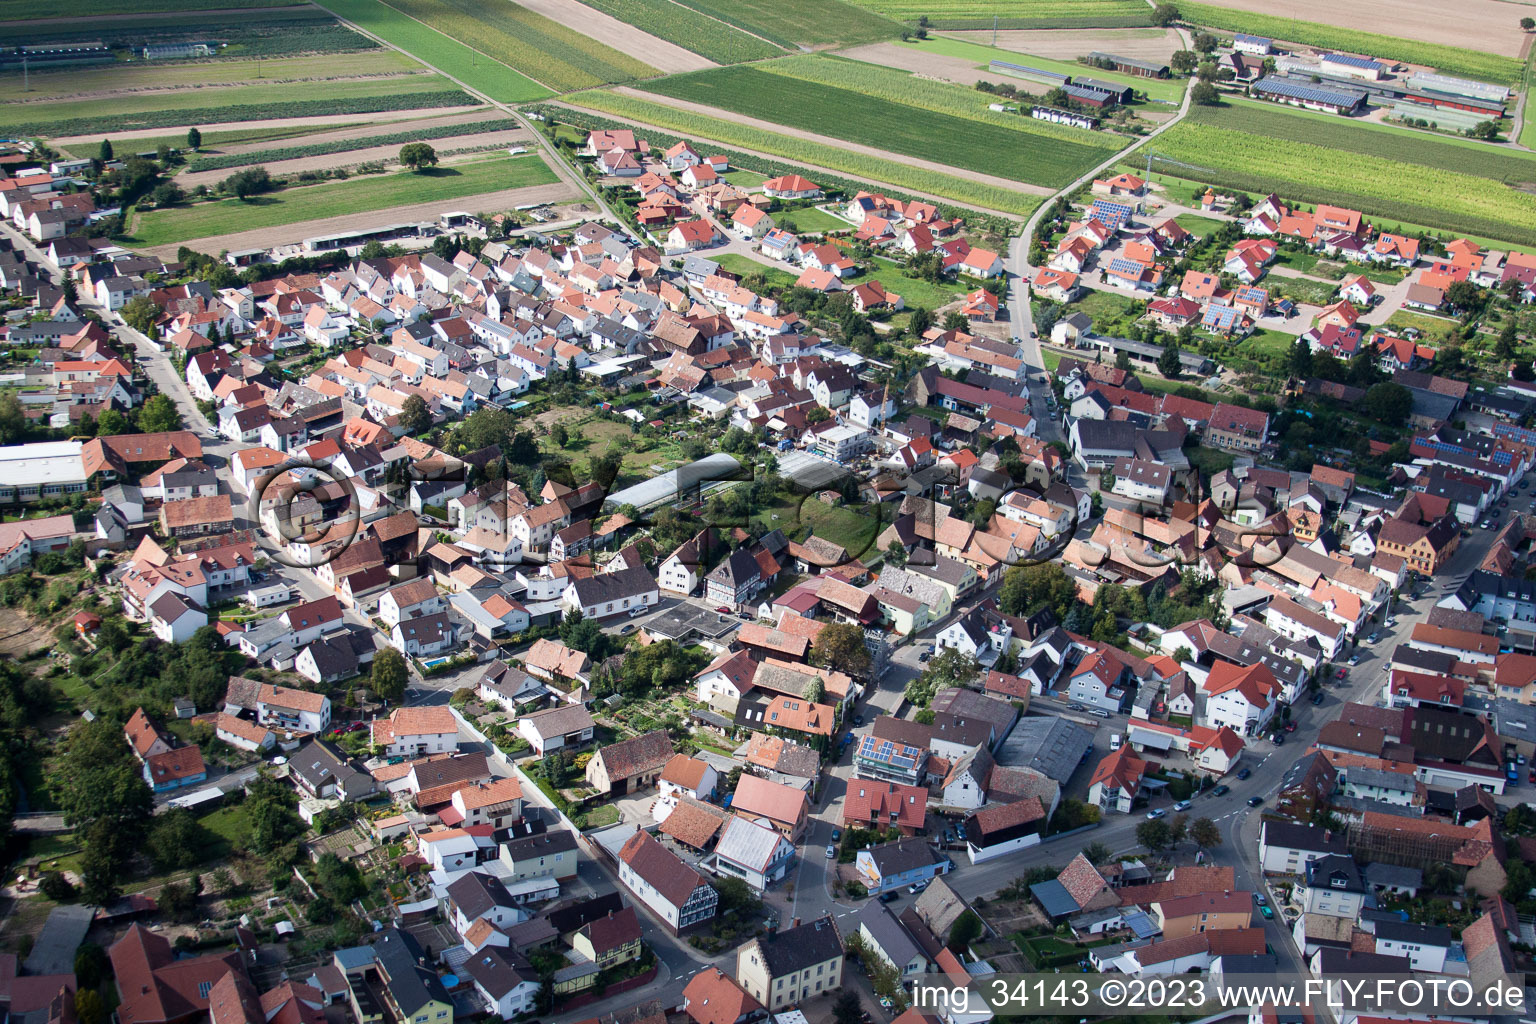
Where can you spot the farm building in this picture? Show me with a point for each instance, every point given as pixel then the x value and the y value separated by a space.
pixel 1117 92
pixel 1487 109
pixel 1353 67
pixel 171 51
pixel 1312 97
pixel 1258 45
pixel 1440 117
pixel 1129 65
pixel 1458 86
pixel 1033 74
pixel 1088 97
pixel 1055 116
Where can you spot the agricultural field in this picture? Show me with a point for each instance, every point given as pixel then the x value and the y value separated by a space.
pixel 87 146
pixel 469 66
pixel 898 127
pixel 357 195
pixel 219 162
pixel 544 50
pixel 968 14
pixel 1451 60
pixel 834 158
pixel 1383 187
pixel 26 10
pixel 900 87
pixel 1166 89
pixel 253 32
pixel 689 29
pixel 793 24
pixel 131 78
pixel 218 104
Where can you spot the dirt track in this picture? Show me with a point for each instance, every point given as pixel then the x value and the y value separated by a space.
pixel 626 38
pixel 1069 44
pixel 351 157
pixel 752 122
pixel 935 65
pixel 286 234
pixel 378 117
pixel 1490 26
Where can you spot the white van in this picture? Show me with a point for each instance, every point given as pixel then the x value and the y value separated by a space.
pixel 1114 742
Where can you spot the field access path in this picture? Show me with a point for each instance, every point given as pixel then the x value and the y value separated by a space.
pixel 1020 318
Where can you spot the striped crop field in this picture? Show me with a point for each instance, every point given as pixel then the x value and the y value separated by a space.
pixel 1379 186
pixel 974 14
pixel 710 39
pixel 699 127
pixel 544 50
pixel 1450 60
pixel 796 23
pixel 914 130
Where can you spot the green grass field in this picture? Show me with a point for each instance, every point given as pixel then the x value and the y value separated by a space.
pixel 913 291
pixel 835 158
pixel 911 90
pixel 1451 60
pixel 1528 120
pixel 1382 187
pixel 473 68
pixel 546 51
pixel 689 29
pixel 125 108
pixel 812 219
pixel 1197 225
pixel 1166 89
pixel 796 23
pixel 871 121
pixel 744 179
pixel 777 277
pixel 24 10
pixel 357 195
pixel 128 78
pixel 971 14
pixel 213 140
pixel 1464 156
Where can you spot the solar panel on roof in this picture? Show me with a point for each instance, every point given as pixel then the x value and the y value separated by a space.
pixel 1305 92
pixel 1121 265
pixel 1353 62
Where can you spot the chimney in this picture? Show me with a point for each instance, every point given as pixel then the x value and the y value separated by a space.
pixel 796 924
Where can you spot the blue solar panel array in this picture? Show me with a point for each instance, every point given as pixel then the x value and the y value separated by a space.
pixel 1121 265
pixel 1305 92
pixel 1354 62
pixel 1003 65
pixel 1111 215
pixel 897 755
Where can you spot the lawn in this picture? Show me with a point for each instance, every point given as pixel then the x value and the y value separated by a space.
pixel 744 179
pixel 689 29
pixel 1316 293
pixel 552 54
pixel 1450 60
pixel 971 14
pixel 840 524
pixel 1209 461
pixel 1433 328
pixel 835 158
pixel 793 24
pixel 1169 90
pixel 1384 187
pixel 913 291
pixel 811 218
pixel 867 120
pixel 242 73
pixel 745 266
pixel 1197 225
pixel 267 96
pixel 358 195
pixel 1528 121
pixel 469 66
pixel 1264 344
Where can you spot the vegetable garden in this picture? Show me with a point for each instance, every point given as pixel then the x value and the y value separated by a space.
pixel 1450 60
pixel 544 50
pixel 704 36
pixel 1378 186
pixel 876 169
pixel 976 14
pixel 871 121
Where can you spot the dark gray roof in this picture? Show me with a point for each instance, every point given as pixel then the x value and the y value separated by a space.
pixel 794 949
pixel 1335 871
pixel 318 763
pixel 559 841
pixel 1421 934
pixel 902 856
pixel 499 970
pixel 1053 896
pixel 411 985
pixel 475 893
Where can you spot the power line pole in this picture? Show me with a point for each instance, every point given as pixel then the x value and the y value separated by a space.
pixel 994 30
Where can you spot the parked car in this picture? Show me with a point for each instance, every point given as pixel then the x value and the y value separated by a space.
pixel 1099 713
pixel 1258 898
pixel 1254 801
pixel 1182 805
pixel 858 719
pixel 1074 707
pixel 628 627
pixel 1157 812
pixel 723 610
pixel 1290 726
pixel 1268 912
pixel 1354 659
pixel 1243 773
pixel 1279 739
pixel 837 834
pixel 831 851
pixel 1317 698
pixel 1221 790
pixel 914 889
pixel 1373 638
pixel 887 897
